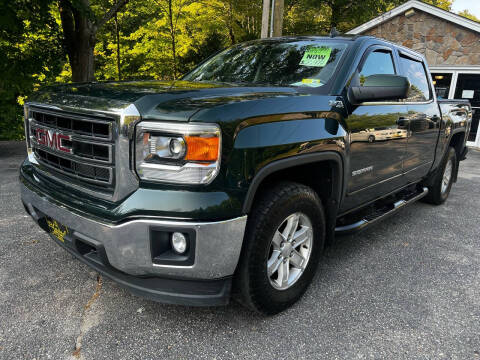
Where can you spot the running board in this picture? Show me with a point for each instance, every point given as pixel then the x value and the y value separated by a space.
pixel 369 220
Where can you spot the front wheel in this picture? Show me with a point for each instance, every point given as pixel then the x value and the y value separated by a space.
pixel 283 243
pixel 443 179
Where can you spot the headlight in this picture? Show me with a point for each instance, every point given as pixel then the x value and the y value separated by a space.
pixel 177 153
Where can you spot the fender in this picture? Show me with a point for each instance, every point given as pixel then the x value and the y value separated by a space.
pixel 293 161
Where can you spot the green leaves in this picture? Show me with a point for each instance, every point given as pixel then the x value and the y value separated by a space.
pixel 157 39
pixel 31 55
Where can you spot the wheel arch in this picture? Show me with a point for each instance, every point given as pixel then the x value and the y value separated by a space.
pixel 457 141
pixel 316 163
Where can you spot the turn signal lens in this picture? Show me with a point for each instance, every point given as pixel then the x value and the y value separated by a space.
pixel 202 148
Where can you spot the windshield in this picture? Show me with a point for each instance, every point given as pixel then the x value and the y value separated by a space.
pixel 309 63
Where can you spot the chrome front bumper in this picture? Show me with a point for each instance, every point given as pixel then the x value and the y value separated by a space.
pixel 127 246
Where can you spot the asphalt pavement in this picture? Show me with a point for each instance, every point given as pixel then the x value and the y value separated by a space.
pixel 407 288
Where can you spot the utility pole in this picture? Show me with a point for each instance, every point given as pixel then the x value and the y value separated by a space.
pixel 265 18
pixel 272 24
pixel 278 17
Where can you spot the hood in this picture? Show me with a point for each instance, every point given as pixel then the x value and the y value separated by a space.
pixel 162 100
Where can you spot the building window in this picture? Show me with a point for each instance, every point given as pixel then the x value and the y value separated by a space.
pixel 468 88
pixel 442 82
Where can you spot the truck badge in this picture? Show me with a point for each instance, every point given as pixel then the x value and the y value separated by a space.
pixel 53 140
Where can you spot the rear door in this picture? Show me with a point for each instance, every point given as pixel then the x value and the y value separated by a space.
pixel 377 138
pixel 423 118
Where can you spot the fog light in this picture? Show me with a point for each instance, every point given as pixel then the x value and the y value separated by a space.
pixel 179 242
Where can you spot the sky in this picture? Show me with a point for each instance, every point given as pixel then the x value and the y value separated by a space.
pixel 473 6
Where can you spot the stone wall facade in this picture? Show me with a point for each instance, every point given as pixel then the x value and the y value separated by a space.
pixel 440 41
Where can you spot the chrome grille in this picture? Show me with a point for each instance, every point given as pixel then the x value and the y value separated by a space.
pixel 74 146
pixel 93 128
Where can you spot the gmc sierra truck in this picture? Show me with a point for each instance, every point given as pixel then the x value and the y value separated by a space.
pixel 230 181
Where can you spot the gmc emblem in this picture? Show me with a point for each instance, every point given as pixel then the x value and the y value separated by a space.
pixel 53 140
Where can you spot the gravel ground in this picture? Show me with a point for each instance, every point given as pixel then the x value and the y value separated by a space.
pixel 406 288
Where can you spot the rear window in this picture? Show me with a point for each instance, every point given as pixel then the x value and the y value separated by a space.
pixel 296 63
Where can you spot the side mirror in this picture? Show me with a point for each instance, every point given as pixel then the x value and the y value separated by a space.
pixel 381 87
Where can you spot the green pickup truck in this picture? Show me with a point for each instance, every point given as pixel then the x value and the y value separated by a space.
pixel 231 181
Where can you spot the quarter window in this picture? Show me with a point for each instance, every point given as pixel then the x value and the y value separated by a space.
pixel 415 72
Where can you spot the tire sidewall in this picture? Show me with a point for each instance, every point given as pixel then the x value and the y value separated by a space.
pixel 266 296
pixel 451 157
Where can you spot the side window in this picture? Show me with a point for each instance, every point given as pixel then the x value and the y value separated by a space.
pixel 415 72
pixel 377 62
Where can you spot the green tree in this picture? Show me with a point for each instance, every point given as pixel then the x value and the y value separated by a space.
pixel 30 55
pixel 443 4
pixel 468 15
pixel 81 21
pixel 320 16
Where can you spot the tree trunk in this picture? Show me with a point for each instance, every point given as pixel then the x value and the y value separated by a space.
pixel 335 9
pixel 82 63
pixel 173 39
pixel 117 36
pixel 79 38
pixel 80 35
pixel 231 34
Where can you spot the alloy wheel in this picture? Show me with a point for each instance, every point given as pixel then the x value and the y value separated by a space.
pixel 290 251
pixel 447 176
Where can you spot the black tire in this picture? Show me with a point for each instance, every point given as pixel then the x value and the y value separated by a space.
pixel 371 139
pixel 252 283
pixel 436 195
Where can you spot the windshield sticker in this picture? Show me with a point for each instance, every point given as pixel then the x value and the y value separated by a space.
pixel 308 82
pixel 316 56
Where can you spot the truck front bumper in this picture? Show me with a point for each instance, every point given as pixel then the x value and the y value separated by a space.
pixel 125 252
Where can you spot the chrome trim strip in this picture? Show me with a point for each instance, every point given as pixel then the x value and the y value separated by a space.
pixel 396 103
pixel 350 227
pixel 126 178
pixel 127 245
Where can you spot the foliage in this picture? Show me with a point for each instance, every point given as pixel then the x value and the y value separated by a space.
pixel 468 15
pixel 443 4
pixel 159 39
pixel 30 55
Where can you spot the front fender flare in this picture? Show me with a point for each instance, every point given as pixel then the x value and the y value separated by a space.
pixel 293 161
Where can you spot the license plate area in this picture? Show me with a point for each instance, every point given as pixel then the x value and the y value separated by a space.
pixel 57 229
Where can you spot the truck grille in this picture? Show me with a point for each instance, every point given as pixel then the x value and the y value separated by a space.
pixel 74 146
pixel 81 126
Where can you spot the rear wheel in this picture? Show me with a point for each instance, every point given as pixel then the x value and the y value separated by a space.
pixel 283 243
pixel 443 179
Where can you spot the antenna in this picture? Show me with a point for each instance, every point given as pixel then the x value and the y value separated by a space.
pixel 334 32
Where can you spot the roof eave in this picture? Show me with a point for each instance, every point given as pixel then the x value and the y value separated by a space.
pixel 415 4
